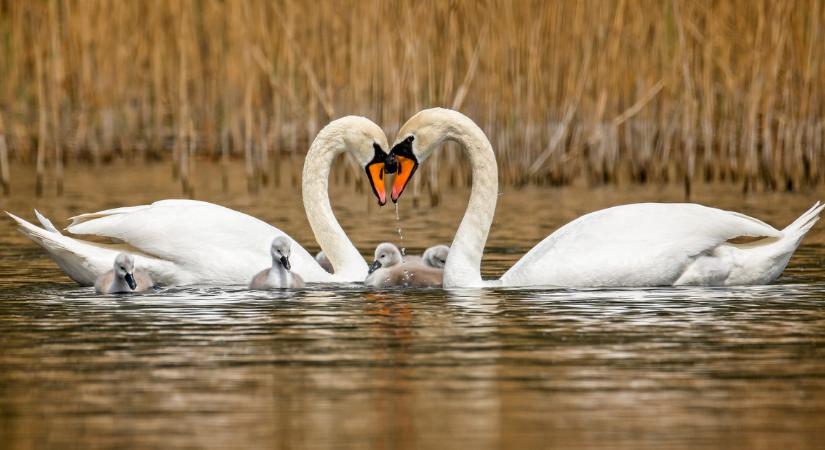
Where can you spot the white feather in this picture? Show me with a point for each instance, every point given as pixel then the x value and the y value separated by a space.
pixel 645 244
pixel 187 241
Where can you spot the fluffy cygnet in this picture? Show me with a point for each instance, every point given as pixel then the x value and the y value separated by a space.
pixel 436 256
pixel 278 276
pixel 389 270
pixel 123 277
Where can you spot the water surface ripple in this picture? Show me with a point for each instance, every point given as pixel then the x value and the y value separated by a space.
pixel 342 366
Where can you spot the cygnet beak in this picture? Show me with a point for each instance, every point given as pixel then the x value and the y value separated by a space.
pixel 374 266
pixel 130 280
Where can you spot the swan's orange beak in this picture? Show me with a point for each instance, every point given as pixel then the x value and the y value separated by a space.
pixel 375 172
pixel 405 163
pixel 406 169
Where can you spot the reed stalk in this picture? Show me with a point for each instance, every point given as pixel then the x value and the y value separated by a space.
pixel 42 123
pixel 607 92
pixel 56 92
pixel 5 177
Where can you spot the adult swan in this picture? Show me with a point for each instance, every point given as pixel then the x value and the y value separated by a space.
pixel 646 244
pixel 186 241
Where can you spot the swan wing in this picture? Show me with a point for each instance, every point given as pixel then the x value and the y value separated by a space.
pixel 208 243
pixel 84 261
pixel 645 244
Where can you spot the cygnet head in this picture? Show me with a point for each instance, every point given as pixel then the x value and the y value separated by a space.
pixel 417 140
pixel 281 250
pixel 436 256
pixel 386 255
pixel 367 142
pixel 125 268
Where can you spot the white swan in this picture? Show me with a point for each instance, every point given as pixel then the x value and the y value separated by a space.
pixel 186 241
pixel 647 244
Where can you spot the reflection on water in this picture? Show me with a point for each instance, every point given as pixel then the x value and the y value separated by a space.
pixel 334 366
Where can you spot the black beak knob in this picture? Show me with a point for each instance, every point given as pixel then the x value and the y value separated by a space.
pixel 390 164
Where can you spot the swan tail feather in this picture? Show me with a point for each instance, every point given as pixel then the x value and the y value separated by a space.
pixel 47 224
pixel 41 236
pixel 71 255
pixel 765 263
pixel 801 226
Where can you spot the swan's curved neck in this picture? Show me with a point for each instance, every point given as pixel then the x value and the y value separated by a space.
pixel 463 267
pixel 344 257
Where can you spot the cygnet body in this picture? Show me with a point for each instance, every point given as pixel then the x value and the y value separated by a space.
pixel 436 256
pixel 278 276
pixel 390 270
pixel 123 277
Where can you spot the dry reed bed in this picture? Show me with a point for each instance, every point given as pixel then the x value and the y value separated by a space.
pixel 648 91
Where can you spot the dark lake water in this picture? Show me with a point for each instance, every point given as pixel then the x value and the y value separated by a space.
pixel 347 367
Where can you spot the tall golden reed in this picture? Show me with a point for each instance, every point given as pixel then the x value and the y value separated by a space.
pixel 635 90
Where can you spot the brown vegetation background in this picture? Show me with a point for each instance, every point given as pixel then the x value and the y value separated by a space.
pixel 597 90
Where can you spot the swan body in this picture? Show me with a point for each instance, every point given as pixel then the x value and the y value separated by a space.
pixel 123 277
pixel 182 242
pixel 279 275
pixel 178 242
pixel 390 270
pixel 646 244
pixel 660 244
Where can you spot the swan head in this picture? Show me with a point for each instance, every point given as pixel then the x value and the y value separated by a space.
pixel 416 141
pixel 367 142
pixel 386 255
pixel 280 251
pixel 436 256
pixel 125 268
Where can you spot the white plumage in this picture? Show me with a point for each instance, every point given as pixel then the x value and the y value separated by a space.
pixel 645 244
pixel 177 241
pixel 187 241
pixel 660 244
